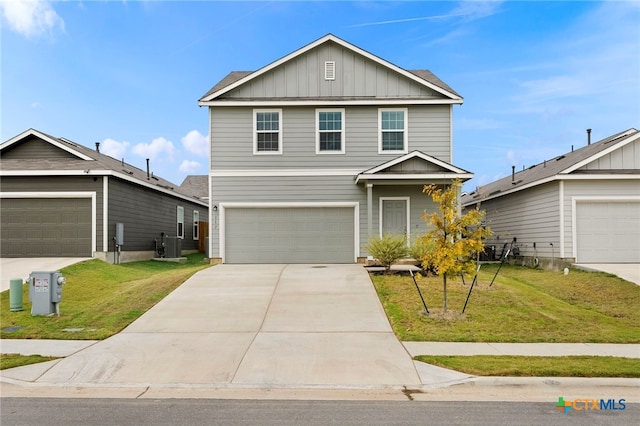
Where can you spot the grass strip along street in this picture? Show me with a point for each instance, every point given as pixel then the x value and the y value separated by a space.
pixel 99 299
pixel 538 366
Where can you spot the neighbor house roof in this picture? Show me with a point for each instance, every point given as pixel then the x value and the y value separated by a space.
pixel 556 168
pixel 83 161
pixel 237 78
pixel 196 185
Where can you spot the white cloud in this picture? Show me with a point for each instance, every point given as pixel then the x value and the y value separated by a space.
pixel 158 146
pixel 31 17
pixel 114 148
pixel 196 143
pixel 189 166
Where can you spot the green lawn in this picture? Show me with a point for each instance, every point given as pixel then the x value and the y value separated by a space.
pixel 538 366
pixel 523 305
pixel 99 298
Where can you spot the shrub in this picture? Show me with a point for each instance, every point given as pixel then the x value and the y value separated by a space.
pixel 422 250
pixel 387 249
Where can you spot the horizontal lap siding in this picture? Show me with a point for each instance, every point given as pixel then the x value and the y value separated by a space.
pixel 429 130
pixel 317 189
pixel 146 214
pixel 531 216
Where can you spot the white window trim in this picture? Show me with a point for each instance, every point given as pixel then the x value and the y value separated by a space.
pixel 380 212
pixel 342 131
pixel 255 132
pixel 196 225
pixel 179 211
pixel 405 130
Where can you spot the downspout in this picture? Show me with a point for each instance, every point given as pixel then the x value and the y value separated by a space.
pixel 369 210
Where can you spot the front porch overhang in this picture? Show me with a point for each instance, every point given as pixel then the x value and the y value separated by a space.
pixel 411 179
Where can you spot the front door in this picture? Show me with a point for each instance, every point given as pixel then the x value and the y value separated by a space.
pixel 394 216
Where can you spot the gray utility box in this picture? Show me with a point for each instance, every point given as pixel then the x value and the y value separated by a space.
pixel 45 292
pixel 173 247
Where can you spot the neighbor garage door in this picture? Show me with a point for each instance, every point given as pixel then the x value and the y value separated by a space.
pixel 45 227
pixel 608 232
pixel 289 235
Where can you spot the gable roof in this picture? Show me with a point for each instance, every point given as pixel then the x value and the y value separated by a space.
pixel 87 162
pixel 435 169
pixel 196 185
pixel 557 168
pixel 238 78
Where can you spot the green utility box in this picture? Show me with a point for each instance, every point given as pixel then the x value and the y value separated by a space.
pixel 15 295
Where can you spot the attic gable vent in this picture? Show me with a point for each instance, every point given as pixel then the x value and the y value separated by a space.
pixel 330 70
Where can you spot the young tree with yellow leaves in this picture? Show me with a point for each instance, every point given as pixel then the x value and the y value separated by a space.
pixel 457 238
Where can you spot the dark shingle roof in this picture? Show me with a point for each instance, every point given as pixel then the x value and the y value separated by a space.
pixel 196 185
pixel 433 79
pixel 98 162
pixel 546 169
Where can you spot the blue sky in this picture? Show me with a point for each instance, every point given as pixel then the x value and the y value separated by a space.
pixel 534 75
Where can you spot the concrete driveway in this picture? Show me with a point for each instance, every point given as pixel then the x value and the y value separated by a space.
pixel 11 268
pixel 626 271
pixel 253 325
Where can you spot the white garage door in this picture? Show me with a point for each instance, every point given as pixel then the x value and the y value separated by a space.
pixel 608 232
pixel 290 235
pixel 46 227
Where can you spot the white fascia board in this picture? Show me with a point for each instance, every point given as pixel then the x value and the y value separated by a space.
pixel 287 204
pixel 422 176
pixel 336 102
pixel 283 172
pixel 342 43
pixel 602 153
pixel 46 138
pixel 101 173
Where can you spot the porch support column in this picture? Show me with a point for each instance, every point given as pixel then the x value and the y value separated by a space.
pixel 370 209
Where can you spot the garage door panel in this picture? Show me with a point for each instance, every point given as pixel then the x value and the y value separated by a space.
pixel 48 227
pixel 289 235
pixel 608 232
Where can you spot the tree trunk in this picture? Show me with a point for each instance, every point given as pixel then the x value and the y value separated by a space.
pixel 444 281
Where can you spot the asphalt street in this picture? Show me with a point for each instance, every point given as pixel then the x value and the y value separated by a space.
pixel 106 412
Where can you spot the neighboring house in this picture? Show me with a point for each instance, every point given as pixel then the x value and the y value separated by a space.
pixel 317 151
pixel 61 199
pixel 582 206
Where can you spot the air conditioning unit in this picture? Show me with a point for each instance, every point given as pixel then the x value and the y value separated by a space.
pixel 173 247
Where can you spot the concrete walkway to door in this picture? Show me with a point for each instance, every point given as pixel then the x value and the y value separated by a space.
pixel 253 325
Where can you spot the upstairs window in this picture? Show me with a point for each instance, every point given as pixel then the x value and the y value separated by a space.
pixel 393 131
pixel 267 133
pixel 330 131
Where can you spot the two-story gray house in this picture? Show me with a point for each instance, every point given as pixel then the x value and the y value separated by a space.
pixel 317 151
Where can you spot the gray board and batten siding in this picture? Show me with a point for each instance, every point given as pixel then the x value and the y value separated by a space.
pixel 356 77
pixel 428 130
